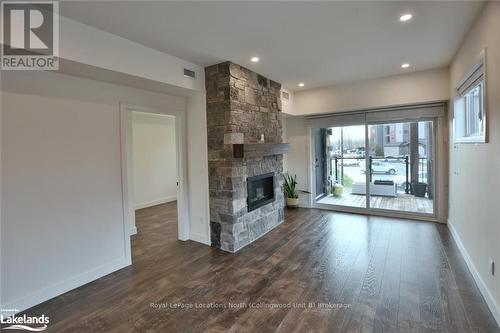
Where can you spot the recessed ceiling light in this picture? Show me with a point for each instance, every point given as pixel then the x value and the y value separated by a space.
pixel 405 65
pixel 405 17
pixel 255 59
pixel 301 84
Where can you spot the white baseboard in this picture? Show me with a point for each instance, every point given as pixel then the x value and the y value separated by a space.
pixel 200 238
pixel 44 294
pixel 133 230
pixel 490 300
pixel 155 202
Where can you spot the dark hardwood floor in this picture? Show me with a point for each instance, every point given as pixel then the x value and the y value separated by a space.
pixel 319 271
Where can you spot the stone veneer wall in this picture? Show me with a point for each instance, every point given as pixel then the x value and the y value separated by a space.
pixel 240 101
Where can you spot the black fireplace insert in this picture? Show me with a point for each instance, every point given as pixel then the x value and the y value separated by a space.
pixel 260 190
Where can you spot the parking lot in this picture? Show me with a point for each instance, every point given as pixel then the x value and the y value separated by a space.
pixel 355 172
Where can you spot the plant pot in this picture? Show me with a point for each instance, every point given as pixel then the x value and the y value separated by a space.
pixel 419 189
pixel 292 202
pixel 337 190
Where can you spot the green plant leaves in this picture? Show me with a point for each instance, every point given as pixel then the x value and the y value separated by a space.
pixel 289 186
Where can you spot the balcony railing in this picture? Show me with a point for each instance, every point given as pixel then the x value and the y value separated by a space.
pixel 424 167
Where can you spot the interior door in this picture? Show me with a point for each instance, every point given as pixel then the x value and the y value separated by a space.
pixel 320 161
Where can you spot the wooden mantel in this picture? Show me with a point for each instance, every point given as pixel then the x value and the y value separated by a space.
pixel 256 150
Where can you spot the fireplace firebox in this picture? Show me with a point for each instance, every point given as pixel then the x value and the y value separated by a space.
pixel 260 190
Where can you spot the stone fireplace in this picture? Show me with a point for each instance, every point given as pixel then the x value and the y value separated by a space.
pixel 245 174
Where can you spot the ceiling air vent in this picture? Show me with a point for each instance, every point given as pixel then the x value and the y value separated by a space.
pixel 285 95
pixel 189 73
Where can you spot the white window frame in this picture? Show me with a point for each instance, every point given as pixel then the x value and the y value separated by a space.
pixel 475 77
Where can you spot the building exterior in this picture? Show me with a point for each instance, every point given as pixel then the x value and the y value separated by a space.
pixel 393 139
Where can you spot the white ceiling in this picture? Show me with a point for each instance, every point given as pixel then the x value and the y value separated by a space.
pixel 318 43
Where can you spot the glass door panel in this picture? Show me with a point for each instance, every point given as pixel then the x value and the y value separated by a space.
pixel 345 156
pixel 400 166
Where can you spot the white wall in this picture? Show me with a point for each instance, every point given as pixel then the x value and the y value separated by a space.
pixel 87 45
pixel 95 54
pixel 297 160
pixel 154 159
pixel 474 169
pixel 418 87
pixel 62 212
pixel 287 105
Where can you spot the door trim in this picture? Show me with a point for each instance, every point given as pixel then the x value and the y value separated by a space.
pixel 127 171
pixel 322 133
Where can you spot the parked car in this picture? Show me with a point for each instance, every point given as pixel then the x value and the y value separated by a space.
pixel 394 158
pixel 381 167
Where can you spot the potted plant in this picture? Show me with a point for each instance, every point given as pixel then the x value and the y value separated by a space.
pixel 292 198
pixel 337 189
pixel 419 189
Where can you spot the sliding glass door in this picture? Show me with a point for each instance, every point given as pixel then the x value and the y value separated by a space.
pixel 401 166
pixel 377 166
pixel 345 156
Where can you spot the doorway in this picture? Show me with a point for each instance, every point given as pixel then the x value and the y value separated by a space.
pixel 153 159
pixel 345 150
pixel 153 174
pixel 381 167
pixel 154 167
pixel 401 156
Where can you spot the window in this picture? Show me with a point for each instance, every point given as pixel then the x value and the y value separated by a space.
pixel 389 134
pixel 474 125
pixel 470 113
